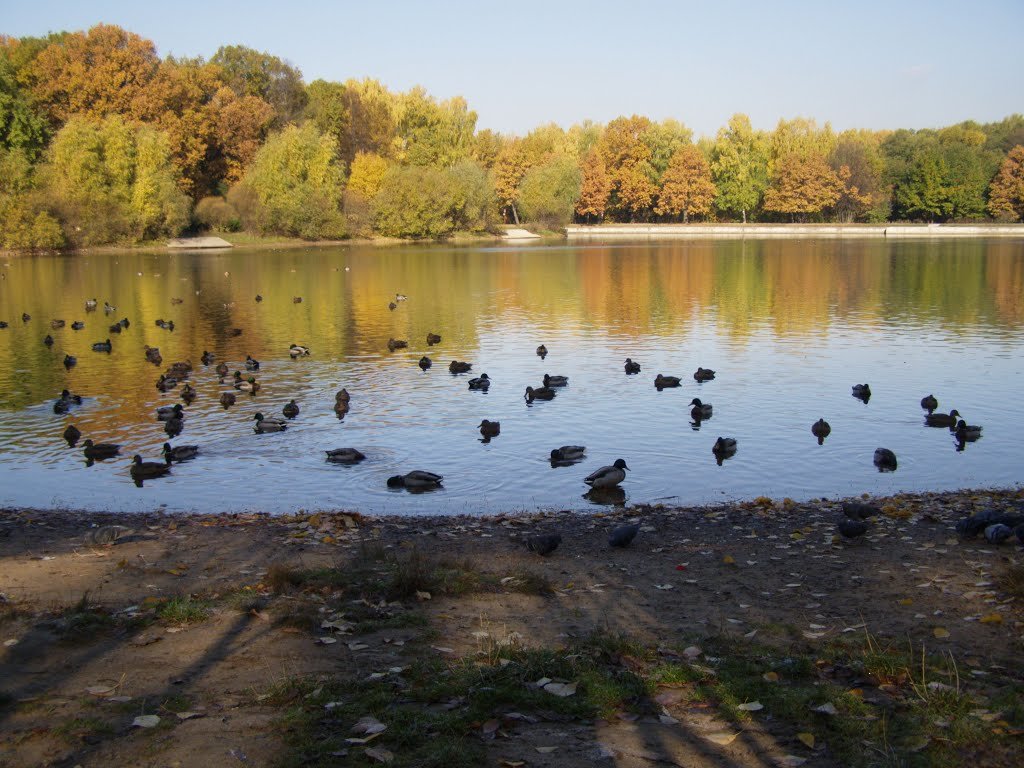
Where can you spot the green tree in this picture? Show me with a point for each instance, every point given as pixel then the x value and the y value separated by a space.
pixel 548 193
pixel 473 202
pixel 432 133
pixel 416 202
pixel 922 192
pixel 863 197
pixel 686 185
pixel 294 186
pixel 24 224
pixel 509 170
pixel 664 139
pixel 1006 197
pixel 487 146
pixel 802 185
pixel 739 167
pixel 112 181
pixel 595 187
pixel 21 126
pixel 249 72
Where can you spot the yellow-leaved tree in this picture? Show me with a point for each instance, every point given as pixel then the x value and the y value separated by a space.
pixel 1006 193
pixel 686 186
pixel 802 185
pixel 595 187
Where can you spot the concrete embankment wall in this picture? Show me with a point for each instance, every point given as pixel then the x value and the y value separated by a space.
pixel 793 230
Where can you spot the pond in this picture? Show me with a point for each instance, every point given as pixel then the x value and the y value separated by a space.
pixel 788 325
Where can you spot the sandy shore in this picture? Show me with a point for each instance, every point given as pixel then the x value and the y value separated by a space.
pixel 203 621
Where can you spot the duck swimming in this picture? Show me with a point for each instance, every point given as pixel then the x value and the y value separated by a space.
pixel 103 346
pixel 250 364
pixel 180 452
pixel 861 392
pixel 607 477
pixel 165 412
pixel 821 429
pixel 418 479
pixel 700 410
pixel 703 374
pixel 568 453
pixel 432 339
pixel 425 362
pixel 99 450
pixel 943 419
pixel 268 425
pixel 542 351
pixel 885 460
pixel 394 344
pixel 297 350
pixel 457 366
pixel 541 393
pixel 490 429
pixel 724 448
pixel 481 383
pixel 632 367
pixel 929 403
pixel 967 433
pixel 344 455
pixel 291 410
pixel 146 469
pixel 555 381
pixel 660 382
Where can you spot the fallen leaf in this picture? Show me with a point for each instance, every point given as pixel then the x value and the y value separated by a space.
pixel 561 689
pixel 380 754
pixel 790 761
pixel 751 706
pixel 807 739
pixel 545 750
pixel 827 708
pixel 190 715
pixel 442 649
pixel 325 641
pixel 368 725
pixel 940 632
pixel 421 596
pixel 729 560
pixel 490 727
pixel 100 690
pixel 906 601
pixel 663 586
pixel 146 721
pixel 357 646
pixel 722 738
pixel 692 652
pixel 992 618
pixel 770 677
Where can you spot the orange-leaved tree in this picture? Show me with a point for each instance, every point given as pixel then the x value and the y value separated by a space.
pixel 802 185
pixel 595 187
pixel 686 185
pixel 1006 193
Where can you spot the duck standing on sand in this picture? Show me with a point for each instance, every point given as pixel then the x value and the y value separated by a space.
pixel 607 477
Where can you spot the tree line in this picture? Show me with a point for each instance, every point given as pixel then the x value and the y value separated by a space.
pixel 103 141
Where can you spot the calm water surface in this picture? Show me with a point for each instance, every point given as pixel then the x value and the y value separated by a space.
pixel 788 325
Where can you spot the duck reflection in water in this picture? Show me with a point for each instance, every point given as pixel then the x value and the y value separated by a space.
pixel 614 496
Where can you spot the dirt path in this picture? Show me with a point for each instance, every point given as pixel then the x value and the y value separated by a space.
pixel 210 623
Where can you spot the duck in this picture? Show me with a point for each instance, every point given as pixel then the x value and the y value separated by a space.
pixel 188 393
pixel 556 381
pixel 967 433
pixel 541 393
pixel 568 453
pixel 291 410
pixel 77 325
pixel 543 544
pixel 457 366
pixel 115 328
pixel 344 455
pixel 862 392
pixel 71 434
pixel 425 362
pixel 165 412
pixel 141 470
pixel 392 306
pixel 929 403
pixel 394 344
pixel 180 452
pixel 400 297
pixel 943 419
pixel 607 477
pixel 250 385
pixel 70 360
pixel 490 429
pixel 99 450
pixel 700 410
pixel 235 332
pixel 821 429
pixel 90 305
pixel 542 351
pixel 176 300
pixel 481 383
pixel 174 425
pixel 703 374
pixel 268 425
pixel 3 323
pixel 48 340
pixel 123 322
pixel 850 528
pixel 297 350
pixel 108 307
pixel 153 355
pixel 341 408
pixel 418 479
pixel 103 346
pixel 55 324
pixel 724 446
pixel 885 460
pixel 296 299
pixel 432 339
pixel 623 535
pixel 222 369
pixel 342 396
pixel 227 399
pixel 660 382
pixel 631 367
pixel 206 358
pixel 250 363
pixel 65 401
pixel 165 382
pixel 258 298
pixel 25 317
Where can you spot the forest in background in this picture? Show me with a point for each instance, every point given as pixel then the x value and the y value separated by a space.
pixel 103 141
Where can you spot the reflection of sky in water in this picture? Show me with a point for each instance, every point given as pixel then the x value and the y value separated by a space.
pixel 788 325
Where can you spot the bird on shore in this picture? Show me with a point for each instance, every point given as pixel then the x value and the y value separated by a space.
pixel 623 535
pixel 264 424
pixel 108 534
pixel 481 382
pixel 489 429
pixel 929 403
pixel 969 527
pixel 862 392
pixel 425 362
pixel 997 533
pixel 541 393
pixel 290 410
pixel 943 419
pixel 567 454
pixel 607 477
pixel 631 367
pixel 856 510
pixel 703 374
pixel 885 460
pixel 821 429
pixel 700 410
pixel 99 451
pixel 141 470
pixel 543 544
pixel 661 382
pixel 555 381
pixel 344 455
pixel 179 452
pixel 851 529
pixel 417 480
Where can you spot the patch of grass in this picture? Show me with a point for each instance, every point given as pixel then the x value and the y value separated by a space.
pixel 1011 581
pixel 184 610
pixel 87 729
pixel 176 703
pixel 531 583
pixel 82 621
pixel 243 600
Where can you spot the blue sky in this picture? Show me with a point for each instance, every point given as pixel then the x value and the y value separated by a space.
pixel 872 64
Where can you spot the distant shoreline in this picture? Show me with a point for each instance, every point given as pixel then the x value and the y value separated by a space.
pixel 793 230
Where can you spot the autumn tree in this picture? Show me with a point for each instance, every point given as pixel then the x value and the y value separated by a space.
pixel 739 167
pixel 367 174
pixel 509 169
pixel 633 189
pixel 294 186
pixel 486 147
pixel 25 224
pixel 627 156
pixel 249 72
pixel 21 125
pixel 663 140
pixel 863 197
pixel 802 185
pixel 548 192
pixel 1006 195
pixel 473 203
pixel 416 202
pixel 432 133
pixel 595 187
pixel 686 185
pixel 96 73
